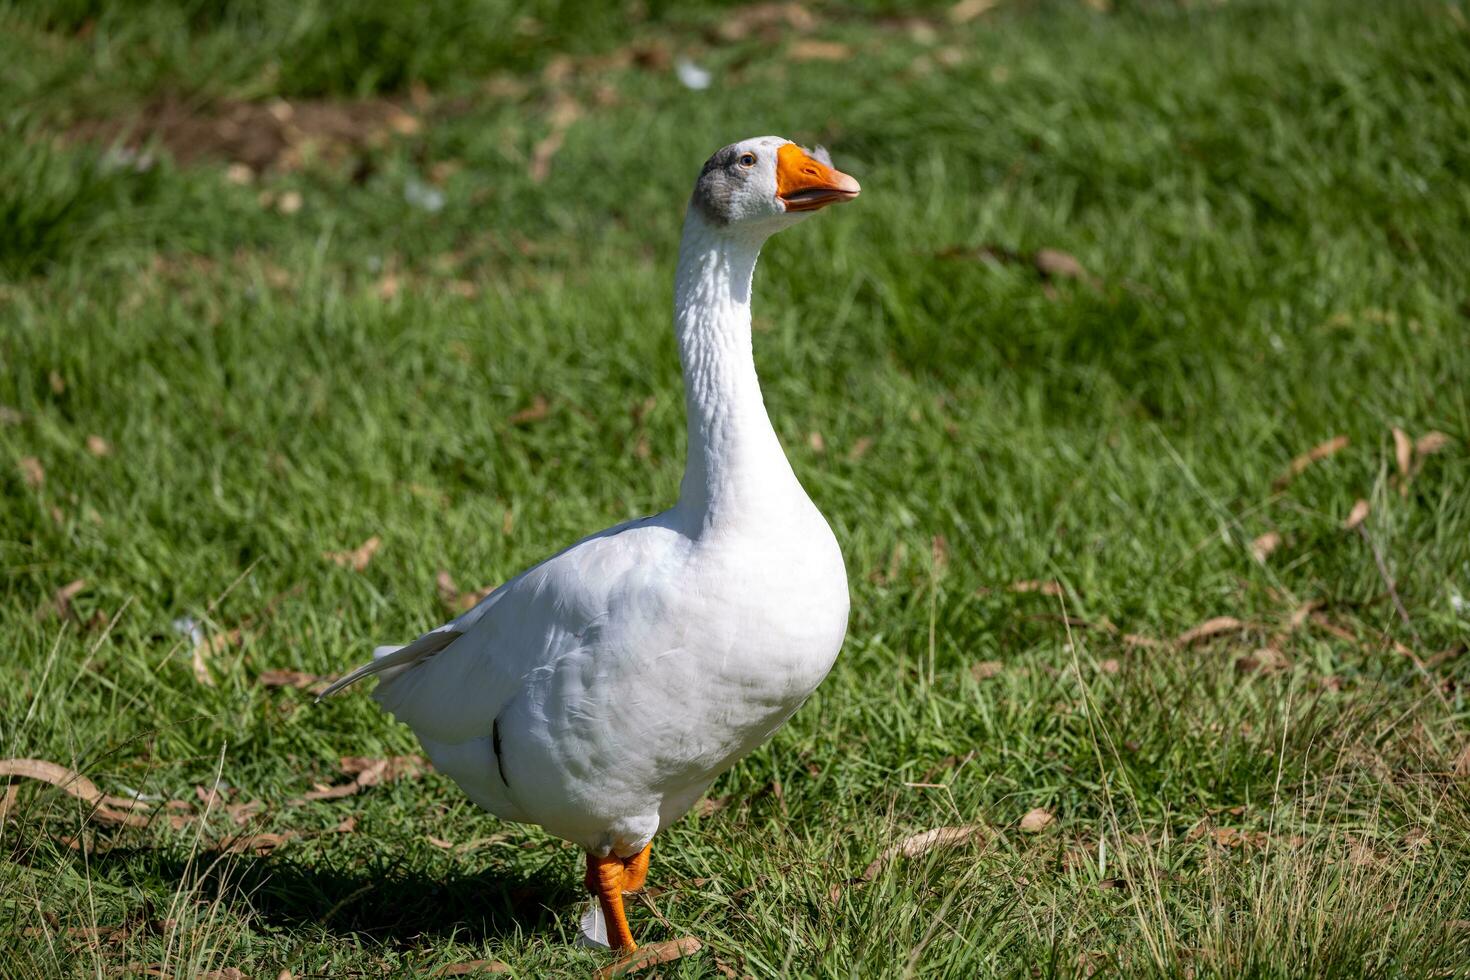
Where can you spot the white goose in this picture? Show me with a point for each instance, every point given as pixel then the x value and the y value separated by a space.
pixel 599 693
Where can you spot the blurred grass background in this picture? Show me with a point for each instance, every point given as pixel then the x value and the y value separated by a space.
pixel 279 279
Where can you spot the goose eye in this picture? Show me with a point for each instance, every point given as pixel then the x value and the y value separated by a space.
pixel 747 159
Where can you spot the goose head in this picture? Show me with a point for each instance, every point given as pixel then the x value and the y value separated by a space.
pixel 759 186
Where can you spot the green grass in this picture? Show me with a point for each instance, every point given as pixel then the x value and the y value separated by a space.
pixel 1271 200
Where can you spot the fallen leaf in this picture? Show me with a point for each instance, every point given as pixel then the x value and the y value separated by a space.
pixel 440 842
pixel 709 806
pixel 453 599
pixel 32 471
pixel 59 604
pixel 1207 629
pixel 1265 660
pixel 1262 546
pixel 370 771
pixel 939 553
pixel 812 50
pixel 1430 443
pixel 922 843
pixel 535 412
pixel 1357 515
pixel 986 669
pixel 470 968
pixel 651 955
pixel 1050 588
pixel 1037 820
pixel 298 679
pixel 243 813
pixel 347 825
pixel 1055 264
pixel 358 558
pixel 1320 451
pixel 98 446
pixel 1139 640
pixel 1403 451
pixel 257 844
pixel 207 648
pixel 967 10
pixel 564 112
pixel 107 809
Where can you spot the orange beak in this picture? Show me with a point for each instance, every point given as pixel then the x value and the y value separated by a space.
pixel 804 184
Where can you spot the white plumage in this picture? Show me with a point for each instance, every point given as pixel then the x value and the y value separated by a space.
pixel 599 693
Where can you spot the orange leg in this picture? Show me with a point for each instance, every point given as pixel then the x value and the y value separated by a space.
pixel 635 870
pixel 605 881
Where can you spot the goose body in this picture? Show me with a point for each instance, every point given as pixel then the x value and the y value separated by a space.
pixel 600 692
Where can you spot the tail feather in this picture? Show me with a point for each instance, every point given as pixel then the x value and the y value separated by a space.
pixel 401 658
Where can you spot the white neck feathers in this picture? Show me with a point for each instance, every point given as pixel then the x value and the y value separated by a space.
pixel 735 467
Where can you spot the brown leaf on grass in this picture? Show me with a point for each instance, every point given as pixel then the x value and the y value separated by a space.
pixel 1265 660
pixel 859 449
pixel 98 446
pixel 209 647
pixel 228 973
pixel 1262 546
pixel 767 20
pixel 939 553
pixel 986 669
pixel 967 10
pixel 1403 451
pixel 59 604
pixel 535 412
pixel 1047 587
pixel 1141 641
pixel 32 471
pixel 357 558
pixel 564 112
pixel 243 813
pixel 370 771
pixel 1207 629
pixel 651 955
pixel 298 679
pixel 1055 264
pixel 1430 443
pixel 1037 820
pixel 815 440
pixel 1357 515
pixel 258 845
pixel 710 805
pixel 452 599
pixel 111 810
pixel 1320 451
pixel 440 842
pixel 813 50
pixel 365 772
pixel 922 843
pixel 471 967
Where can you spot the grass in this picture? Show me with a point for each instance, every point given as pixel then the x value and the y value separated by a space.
pixel 1269 200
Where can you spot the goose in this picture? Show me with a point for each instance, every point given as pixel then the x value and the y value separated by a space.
pixel 599 693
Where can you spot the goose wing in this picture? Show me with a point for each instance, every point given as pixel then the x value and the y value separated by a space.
pixel 451 683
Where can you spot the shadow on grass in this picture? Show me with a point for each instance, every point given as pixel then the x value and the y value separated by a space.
pixel 388 902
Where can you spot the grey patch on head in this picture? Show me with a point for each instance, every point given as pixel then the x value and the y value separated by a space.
pixel 820 155
pixel 715 187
